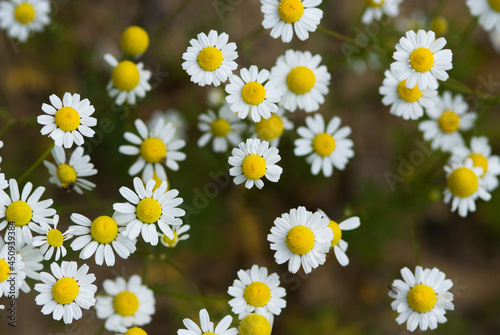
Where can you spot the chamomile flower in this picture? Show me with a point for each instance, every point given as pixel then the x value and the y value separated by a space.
pixel 129 81
pixel 179 235
pixel 216 97
pixel 301 238
pixel 154 146
pixel 284 17
pixel 448 116
pixel 173 116
pixel 126 304
pixel 222 128
pixel 67 121
pixel 210 59
pixel 325 146
pixel 249 95
pixel 488 12
pixel 480 153
pixel 421 60
pixel 22 17
pixel 375 9
pixel 12 275
pixel 408 103
pixel 24 211
pixel 464 186
pixel 421 299
pixel 271 129
pixel 134 331
pixel 256 292
pixel 255 324
pixel 207 327
pixel 52 240
pixel 134 41
pixel 146 209
pixel 101 236
pixel 66 291
pixel 69 175
pixel 253 160
pixel 302 79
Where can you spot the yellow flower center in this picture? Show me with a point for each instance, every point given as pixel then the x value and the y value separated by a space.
pixel 65 290
pixel 55 238
pixel 134 40
pixel 148 210
pixel 104 229
pixel 18 213
pixel 323 144
pixel 168 241
pixel 4 270
pixel 290 11
pixel 153 150
pixel 422 298
pixel 374 3
pixel 300 80
pixel 209 333
pixel 158 182
pixel 408 94
pixel 67 118
pixel 66 175
pixel 210 58
pixel 220 128
pixel 126 303
pixel 269 129
pixel 495 5
pixel 125 76
pixel 254 167
pixel 24 13
pixel 463 182
pixel 449 121
pixel 421 60
pixel 440 25
pixel 257 294
pixel 300 240
pixel 479 160
pixel 254 324
pixel 135 331
pixel 337 232
pixel 253 93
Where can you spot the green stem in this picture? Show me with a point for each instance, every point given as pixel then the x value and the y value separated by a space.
pixel 7 126
pixel 468 30
pixel 439 8
pixel 34 166
pixel 348 40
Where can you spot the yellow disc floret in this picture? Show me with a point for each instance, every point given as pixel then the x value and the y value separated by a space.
pixel 167 241
pixel 153 150
pixel 323 144
pixel 408 94
pixel 254 167
pixel 66 175
pixel 269 129
pixel 374 3
pixel 220 128
pixel 253 93
pixel 4 270
pixel 135 331
pixel 148 210
pixel 19 213
pixel 290 11
pixel 65 290
pixel 210 58
pixel 134 40
pixel 125 76
pixel 479 160
pixel 300 240
pixel 449 121
pixel 463 182
pixel 257 294
pixel 24 13
pixel 125 303
pixel 439 25
pixel 104 229
pixel 495 5
pixel 67 119
pixel 337 232
pixel 254 324
pixel 422 298
pixel 421 59
pixel 55 238
pixel 158 182
pixel 300 80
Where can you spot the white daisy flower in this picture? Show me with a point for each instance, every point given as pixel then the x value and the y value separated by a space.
pixel 179 235
pixel 216 97
pixel 421 60
pixel 375 9
pixel 207 327
pixel 271 129
pixel 302 79
pixel 464 186
pixel 326 146
pixel 128 80
pixel 125 304
pixel 408 103
pixel 24 211
pixel 12 274
pixel 448 116
pixel 65 291
pixel 154 146
pixel 22 17
pixel 52 240
pixel 284 17
pixel 224 127
pixel 67 121
pixel 101 236
pixel 134 41
pixel 69 175
pixel 256 292
pixel 488 12
pixel 173 116
pixel 421 299
pixel 134 331
pixel 495 40
pixel 253 160
pixel 146 209
pixel 480 153
pixel 255 324
pixel 210 59
pixel 301 238
pixel 249 95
